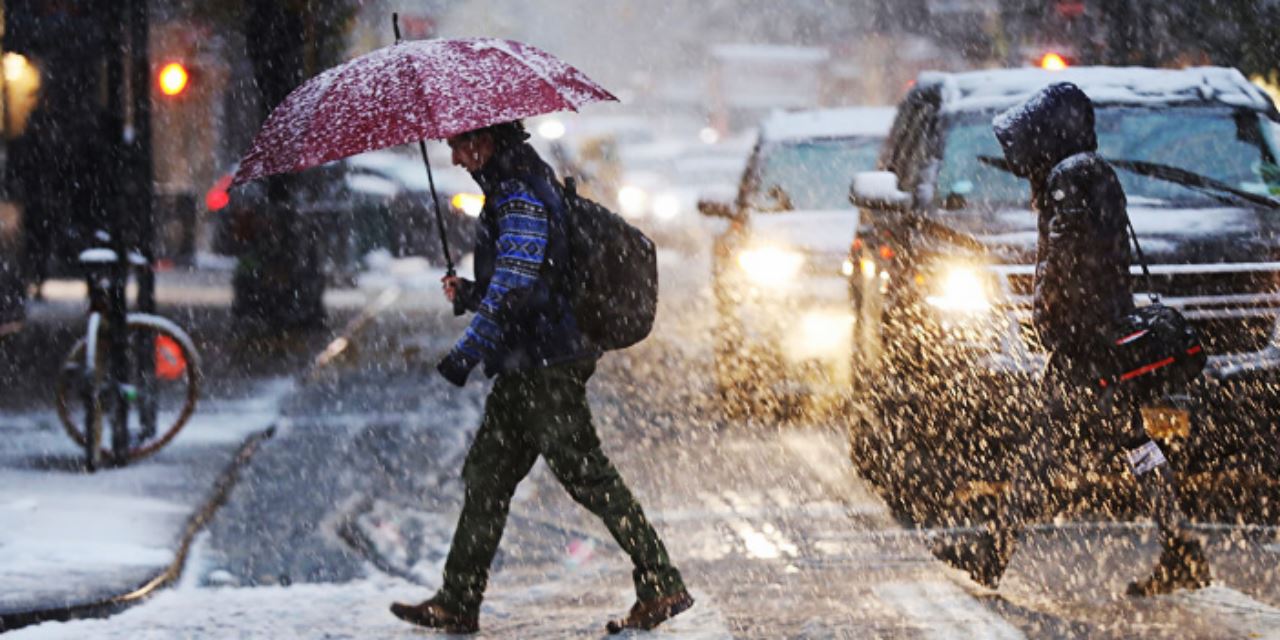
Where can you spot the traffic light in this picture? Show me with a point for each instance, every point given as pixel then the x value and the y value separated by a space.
pixel 173 79
pixel 1053 61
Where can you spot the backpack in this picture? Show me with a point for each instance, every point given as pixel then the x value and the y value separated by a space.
pixel 612 279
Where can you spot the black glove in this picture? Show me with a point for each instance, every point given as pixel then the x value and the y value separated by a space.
pixel 455 368
pixel 462 302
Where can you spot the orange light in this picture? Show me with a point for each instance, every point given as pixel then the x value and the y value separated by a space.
pixel 1053 62
pixel 886 252
pixel 173 79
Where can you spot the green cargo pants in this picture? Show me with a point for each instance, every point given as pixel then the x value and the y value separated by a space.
pixel 544 412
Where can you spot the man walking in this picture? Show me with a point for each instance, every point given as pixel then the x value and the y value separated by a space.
pixel 1082 286
pixel 525 334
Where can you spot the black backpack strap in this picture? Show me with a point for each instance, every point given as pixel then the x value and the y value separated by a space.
pixel 1142 259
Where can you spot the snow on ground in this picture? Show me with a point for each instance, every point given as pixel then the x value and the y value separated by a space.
pixel 415 280
pixel 69 536
pixel 356 609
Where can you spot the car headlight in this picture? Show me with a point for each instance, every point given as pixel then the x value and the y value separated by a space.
pixel 633 200
pixel 770 265
pixel 666 206
pixel 469 203
pixel 961 289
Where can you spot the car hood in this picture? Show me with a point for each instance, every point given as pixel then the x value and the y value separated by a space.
pixel 812 231
pixel 1169 235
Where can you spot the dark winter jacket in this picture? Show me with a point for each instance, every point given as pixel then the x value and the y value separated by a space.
pixel 1082 281
pixel 522 320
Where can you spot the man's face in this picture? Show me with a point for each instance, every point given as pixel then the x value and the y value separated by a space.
pixel 471 152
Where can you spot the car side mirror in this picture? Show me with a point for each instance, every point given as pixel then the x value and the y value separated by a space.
pixel 878 190
pixel 716 209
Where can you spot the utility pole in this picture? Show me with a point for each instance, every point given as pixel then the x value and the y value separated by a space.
pixel 137 137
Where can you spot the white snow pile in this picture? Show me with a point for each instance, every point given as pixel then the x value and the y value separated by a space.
pixel 67 536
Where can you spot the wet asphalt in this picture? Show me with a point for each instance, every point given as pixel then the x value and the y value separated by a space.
pixel 776 532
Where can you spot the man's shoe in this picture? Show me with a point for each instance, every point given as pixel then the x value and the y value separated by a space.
pixel 983 559
pixel 433 615
pixel 651 613
pixel 1182 565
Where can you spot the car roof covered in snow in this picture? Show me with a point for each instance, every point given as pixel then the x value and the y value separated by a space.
pixel 1000 88
pixel 845 122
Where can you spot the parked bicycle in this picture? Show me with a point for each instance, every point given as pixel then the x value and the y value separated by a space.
pixel 137 372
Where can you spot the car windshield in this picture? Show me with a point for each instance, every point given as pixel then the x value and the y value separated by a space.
pixel 1234 147
pixel 809 174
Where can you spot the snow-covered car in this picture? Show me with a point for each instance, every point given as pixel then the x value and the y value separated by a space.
pixel 944 258
pixel 783 326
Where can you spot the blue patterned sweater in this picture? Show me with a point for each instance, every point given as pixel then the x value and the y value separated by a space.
pixel 521 321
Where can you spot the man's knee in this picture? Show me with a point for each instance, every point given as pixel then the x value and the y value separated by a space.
pixel 588 476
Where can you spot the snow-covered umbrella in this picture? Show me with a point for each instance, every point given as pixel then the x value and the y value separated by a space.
pixel 413 91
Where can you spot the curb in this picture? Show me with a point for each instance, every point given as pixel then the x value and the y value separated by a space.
pixel 111 605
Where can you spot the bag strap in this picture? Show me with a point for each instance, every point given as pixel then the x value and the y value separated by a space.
pixel 1142 259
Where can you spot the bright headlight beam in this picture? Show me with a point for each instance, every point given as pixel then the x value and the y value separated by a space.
pixel 470 203
pixel 551 129
pixel 961 289
pixel 770 266
pixel 666 206
pixel 633 201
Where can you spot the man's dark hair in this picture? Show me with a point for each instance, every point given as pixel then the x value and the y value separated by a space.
pixel 504 134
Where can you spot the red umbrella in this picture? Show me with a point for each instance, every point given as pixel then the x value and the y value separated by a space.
pixel 411 91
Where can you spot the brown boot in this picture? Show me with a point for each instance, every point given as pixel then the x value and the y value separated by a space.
pixel 1182 565
pixel 648 614
pixel 433 615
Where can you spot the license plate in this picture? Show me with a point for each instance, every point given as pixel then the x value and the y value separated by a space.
pixel 1166 422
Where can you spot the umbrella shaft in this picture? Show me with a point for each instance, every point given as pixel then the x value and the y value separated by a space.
pixel 444 239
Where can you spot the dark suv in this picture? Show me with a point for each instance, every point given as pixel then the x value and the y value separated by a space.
pixel 946 248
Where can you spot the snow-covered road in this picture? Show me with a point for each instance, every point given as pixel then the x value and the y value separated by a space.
pixel 352 506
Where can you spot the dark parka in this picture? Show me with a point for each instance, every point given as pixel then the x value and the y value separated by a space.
pixel 1082 281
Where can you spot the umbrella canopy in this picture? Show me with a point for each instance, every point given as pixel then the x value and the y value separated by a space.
pixel 412 91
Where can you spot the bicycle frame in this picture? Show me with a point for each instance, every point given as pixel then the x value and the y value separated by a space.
pixel 107 273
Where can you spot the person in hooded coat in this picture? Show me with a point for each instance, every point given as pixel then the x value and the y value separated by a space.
pixel 1082 286
pixel 525 334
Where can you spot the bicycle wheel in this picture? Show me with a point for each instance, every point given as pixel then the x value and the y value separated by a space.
pixel 168 387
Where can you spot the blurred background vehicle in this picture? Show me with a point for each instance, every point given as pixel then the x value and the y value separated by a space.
pixel 662 183
pixel 784 326
pixel 374 201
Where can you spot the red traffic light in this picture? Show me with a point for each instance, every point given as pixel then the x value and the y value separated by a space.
pixel 173 79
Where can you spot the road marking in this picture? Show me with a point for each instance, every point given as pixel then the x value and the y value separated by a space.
pixel 766 543
pixel 943 610
pixel 1236 609
pixel 349 332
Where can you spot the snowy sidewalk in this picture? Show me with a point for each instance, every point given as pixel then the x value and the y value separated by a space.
pixel 69 538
